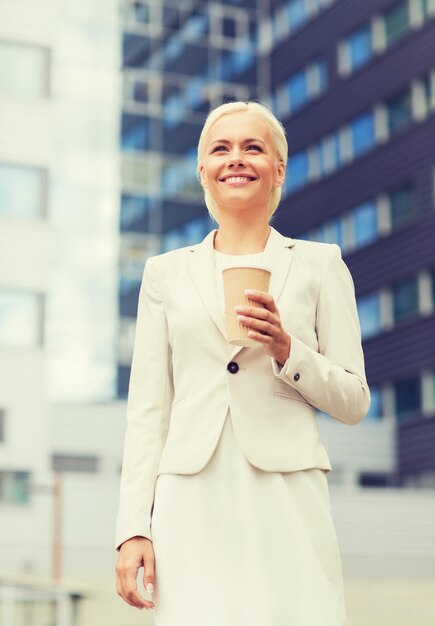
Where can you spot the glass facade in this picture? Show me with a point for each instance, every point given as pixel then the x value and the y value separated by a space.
pixel 369 313
pixel 405 299
pixel 396 21
pixel 359 47
pixel 408 398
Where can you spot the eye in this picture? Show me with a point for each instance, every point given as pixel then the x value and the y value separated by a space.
pixel 254 146
pixel 247 147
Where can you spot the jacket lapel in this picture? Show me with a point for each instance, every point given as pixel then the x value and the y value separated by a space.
pixel 278 254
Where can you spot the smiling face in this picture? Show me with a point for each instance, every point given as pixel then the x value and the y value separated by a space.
pixel 239 165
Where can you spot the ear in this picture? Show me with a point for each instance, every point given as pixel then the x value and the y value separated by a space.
pixel 280 174
pixel 203 176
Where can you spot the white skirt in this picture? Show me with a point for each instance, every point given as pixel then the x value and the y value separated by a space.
pixel 237 546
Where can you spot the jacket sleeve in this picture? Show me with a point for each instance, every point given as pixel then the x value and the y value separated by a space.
pixel 332 379
pixel 149 400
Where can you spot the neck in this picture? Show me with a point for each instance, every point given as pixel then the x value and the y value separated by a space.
pixel 236 241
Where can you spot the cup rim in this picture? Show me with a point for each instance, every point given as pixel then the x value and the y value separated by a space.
pixel 245 265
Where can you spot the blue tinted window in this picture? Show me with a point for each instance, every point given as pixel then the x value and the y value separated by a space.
pixel 22 191
pixel 334 232
pixel 323 76
pixel 369 313
pixel 229 27
pixel 134 209
pixel 405 299
pixel 298 90
pixel 365 224
pixel 196 26
pixel 172 179
pixel 296 13
pixel 407 395
pixel 360 47
pixel 375 411
pixel 363 133
pixel 173 111
pixel 193 93
pixel 297 170
pixel 135 132
pixel 399 111
pixel 242 58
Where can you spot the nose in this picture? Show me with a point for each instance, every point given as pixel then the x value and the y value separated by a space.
pixel 236 159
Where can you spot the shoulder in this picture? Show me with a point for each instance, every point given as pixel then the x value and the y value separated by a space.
pixel 170 257
pixel 316 251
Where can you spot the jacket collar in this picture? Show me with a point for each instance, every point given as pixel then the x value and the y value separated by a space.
pixel 277 254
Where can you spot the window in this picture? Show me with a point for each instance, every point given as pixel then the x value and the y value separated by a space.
pixel 302 87
pixel 297 170
pixel 14 487
pixel 362 131
pixel 141 12
pixel 369 313
pixel 375 411
pixel 140 91
pixel 134 211
pixel 30 75
pixel 229 27
pixel 74 463
pixel 407 397
pixel 403 205
pixel 373 479
pixel 359 48
pixel 405 299
pixel 399 112
pixel 20 319
pixel 135 132
pixel 364 222
pixel 298 90
pixel 296 13
pixel 22 191
pixel 141 171
pixel 396 21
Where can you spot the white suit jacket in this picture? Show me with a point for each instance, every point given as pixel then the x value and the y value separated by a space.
pixel 181 388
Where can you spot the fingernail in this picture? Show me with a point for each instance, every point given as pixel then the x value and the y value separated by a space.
pixel 150 587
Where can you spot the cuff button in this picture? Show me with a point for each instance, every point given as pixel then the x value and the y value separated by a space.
pixel 296 376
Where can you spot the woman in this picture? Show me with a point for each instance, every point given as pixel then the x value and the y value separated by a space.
pixel 224 497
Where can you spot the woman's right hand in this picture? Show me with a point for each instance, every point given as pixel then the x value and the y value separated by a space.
pixel 133 554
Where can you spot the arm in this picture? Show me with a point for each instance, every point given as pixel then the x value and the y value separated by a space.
pixel 333 379
pixel 148 407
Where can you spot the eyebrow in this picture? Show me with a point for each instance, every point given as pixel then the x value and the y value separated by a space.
pixel 245 141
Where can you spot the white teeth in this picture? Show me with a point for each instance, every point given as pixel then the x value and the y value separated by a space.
pixel 237 179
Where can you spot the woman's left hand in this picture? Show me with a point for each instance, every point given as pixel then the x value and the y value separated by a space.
pixel 266 325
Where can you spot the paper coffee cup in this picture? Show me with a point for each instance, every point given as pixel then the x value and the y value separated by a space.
pixel 236 278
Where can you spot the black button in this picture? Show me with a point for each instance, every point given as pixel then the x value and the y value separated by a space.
pixel 296 376
pixel 233 367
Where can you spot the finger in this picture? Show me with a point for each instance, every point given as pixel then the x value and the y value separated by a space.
pixel 261 296
pixel 258 336
pixel 149 573
pixel 271 327
pixel 129 585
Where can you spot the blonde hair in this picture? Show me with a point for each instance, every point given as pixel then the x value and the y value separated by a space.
pixel 278 135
